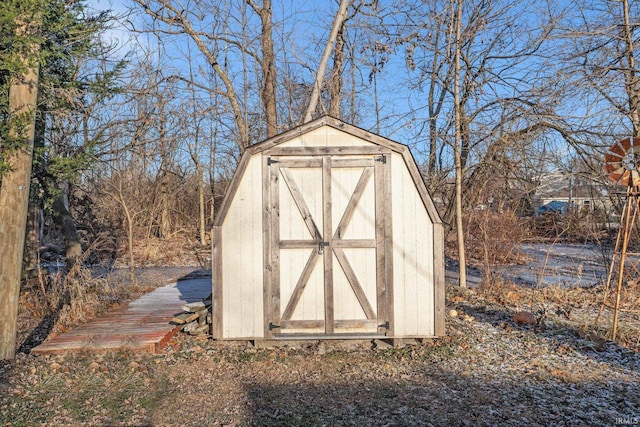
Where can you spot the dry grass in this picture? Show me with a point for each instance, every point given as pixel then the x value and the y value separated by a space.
pixel 579 306
pixel 487 371
pixel 175 251
pixel 63 301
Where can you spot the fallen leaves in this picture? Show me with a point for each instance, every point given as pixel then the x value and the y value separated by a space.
pixel 488 370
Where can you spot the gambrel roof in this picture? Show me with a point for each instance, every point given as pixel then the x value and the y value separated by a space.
pixel 270 145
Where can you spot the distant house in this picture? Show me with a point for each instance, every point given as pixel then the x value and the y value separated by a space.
pixel 561 192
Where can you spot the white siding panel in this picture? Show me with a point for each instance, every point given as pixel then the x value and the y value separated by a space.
pixel 242 258
pixel 343 183
pixel 295 142
pixel 291 266
pixel 425 272
pixel 323 137
pixel 345 303
pixel 412 256
pixel 348 140
pixel 347 306
pixel 311 303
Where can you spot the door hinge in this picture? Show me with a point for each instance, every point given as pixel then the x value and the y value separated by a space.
pixel 272 326
pixel 384 325
pixel 271 161
pixel 382 159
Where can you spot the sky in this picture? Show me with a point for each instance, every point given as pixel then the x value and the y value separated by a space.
pixel 401 107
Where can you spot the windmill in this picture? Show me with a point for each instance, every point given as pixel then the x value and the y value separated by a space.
pixel 622 165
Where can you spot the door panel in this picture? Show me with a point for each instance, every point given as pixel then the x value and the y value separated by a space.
pixel 300 192
pixel 329 242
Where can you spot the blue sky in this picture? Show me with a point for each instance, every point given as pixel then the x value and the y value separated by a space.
pixel 402 110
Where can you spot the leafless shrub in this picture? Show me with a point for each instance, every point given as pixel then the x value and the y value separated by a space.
pixel 494 238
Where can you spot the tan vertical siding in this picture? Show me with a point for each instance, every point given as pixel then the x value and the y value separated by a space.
pixel 250 221
pixel 412 256
pixel 242 261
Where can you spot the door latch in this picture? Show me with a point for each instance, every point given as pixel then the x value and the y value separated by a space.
pixel 321 246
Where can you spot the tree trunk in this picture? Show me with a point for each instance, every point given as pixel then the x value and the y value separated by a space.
pixel 129 216
pixel 32 243
pixel 632 84
pixel 64 220
pixel 201 204
pixel 462 257
pixel 341 15
pixel 336 78
pixel 268 65
pixel 165 217
pixel 14 193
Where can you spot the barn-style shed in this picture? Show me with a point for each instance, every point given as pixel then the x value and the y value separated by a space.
pixel 327 231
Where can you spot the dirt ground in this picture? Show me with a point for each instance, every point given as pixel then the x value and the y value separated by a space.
pixel 488 370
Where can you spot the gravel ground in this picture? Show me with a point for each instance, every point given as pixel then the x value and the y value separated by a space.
pixel 488 370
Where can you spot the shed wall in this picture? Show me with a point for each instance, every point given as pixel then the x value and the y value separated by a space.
pixel 325 137
pixel 413 257
pixel 242 262
pixel 242 242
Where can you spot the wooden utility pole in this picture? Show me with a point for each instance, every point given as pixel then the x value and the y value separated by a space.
pixel 14 193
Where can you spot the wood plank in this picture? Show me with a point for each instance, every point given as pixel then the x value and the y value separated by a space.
pixel 355 284
pixel 298 244
pixel 183 318
pixel 438 280
pixel 300 163
pixel 274 238
pixel 364 134
pixel 301 324
pixel 354 243
pixel 385 201
pixel 301 204
pixel 217 285
pixel 352 162
pixel 267 243
pixel 388 240
pixel 384 244
pixel 328 256
pixel 193 307
pixel 335 336
pixel 353 202
pixel 338 324
pixel 357 324
pixel 380 246
pixel 288 135
pixel 300 285
pixel 327 151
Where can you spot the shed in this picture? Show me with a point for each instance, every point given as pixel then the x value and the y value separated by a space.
pixel 327 231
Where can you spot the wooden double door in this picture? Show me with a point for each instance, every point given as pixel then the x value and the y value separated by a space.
pixel 328 233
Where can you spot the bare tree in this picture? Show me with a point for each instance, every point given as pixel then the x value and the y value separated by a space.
pixel 341 15
pixel 462 257
pixel 214 46
pixel 598 50
pixel 268 65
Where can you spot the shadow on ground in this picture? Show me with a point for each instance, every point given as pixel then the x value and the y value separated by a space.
pixel 443 399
